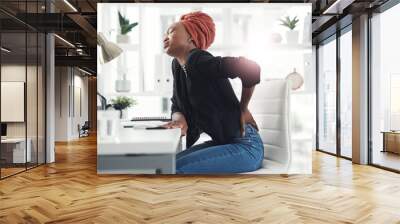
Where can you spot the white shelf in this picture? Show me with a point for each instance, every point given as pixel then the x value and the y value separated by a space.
pixel 275 48
pixel 129 47
pixel 298 48
pixel 149 93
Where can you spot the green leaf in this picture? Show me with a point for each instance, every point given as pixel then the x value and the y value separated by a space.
pixel 121 19
pixel 123 30
pixel 127 28
pixel 130 26
pixel 122 102
pixel 290 23
pixel 134 24
pixel 124 24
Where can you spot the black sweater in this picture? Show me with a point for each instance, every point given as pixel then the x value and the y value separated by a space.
pixel 205 96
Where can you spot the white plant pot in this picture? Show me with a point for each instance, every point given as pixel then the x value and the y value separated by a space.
pixel 122 86
pixel 124 114
pixel 275 38
pixel 107 123
pixel 123 39
pixel 292 37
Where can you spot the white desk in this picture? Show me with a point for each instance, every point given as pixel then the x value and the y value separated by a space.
pixel 138 151
pixel 18 150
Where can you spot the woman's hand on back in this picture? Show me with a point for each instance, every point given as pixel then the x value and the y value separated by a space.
pixel 247 118
pixel 178 121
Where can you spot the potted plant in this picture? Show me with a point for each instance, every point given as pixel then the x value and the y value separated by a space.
pixel 292 35
pixel 125 28
pixel 121 103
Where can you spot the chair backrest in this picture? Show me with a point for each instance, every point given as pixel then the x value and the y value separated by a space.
pixel 86 125
pixel 270 106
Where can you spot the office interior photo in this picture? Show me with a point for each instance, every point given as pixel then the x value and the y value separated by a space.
pixel 64 69
pixel 142 72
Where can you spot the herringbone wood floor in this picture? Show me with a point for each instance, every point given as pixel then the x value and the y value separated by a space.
pixel 70 191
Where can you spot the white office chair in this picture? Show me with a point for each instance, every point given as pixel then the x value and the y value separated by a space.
pixel 270 106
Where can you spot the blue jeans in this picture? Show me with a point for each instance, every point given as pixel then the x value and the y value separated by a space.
pixel 244 154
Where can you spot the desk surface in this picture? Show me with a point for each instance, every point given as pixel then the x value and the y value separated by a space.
pixel 390 132
pixel 134 141
pixel 13 140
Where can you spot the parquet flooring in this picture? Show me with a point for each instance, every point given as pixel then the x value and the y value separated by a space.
pixel 387 159
pixel 70 191
pixel 10 171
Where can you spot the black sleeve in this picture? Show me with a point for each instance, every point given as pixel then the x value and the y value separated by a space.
pixel 174 105
pixel 228 67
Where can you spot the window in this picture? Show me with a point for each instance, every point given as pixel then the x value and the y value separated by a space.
pixel 385 87
pixel 327 97
pixel 22 74
pixel 394 102
pixel 346 94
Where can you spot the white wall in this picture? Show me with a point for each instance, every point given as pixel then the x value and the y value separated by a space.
pixel 17 73
pixel 14 73
pixel 61 103
pixel 33 126
pixel 70 83
pixel 81 84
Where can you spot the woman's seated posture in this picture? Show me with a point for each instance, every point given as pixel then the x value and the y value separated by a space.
pixel 204 101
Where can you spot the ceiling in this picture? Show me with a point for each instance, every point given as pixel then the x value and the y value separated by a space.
pixel 77 23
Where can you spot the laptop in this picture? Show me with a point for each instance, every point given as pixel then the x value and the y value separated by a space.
pixel 144 124
pixel 151 118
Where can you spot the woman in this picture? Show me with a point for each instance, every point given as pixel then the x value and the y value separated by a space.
pixel 203 101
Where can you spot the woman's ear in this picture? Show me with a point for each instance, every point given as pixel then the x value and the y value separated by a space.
pixel 191 42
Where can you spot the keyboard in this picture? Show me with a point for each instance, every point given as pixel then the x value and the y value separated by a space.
pixel 160 118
